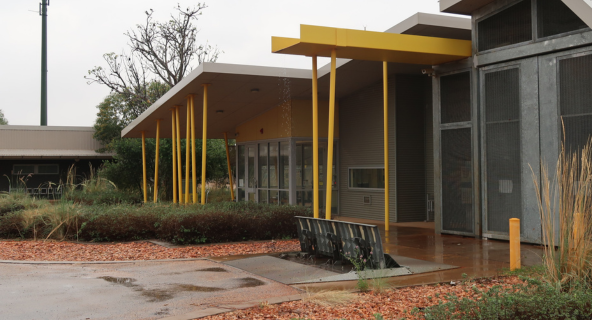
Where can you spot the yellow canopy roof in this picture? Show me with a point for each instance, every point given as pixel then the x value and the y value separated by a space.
pixel 374 46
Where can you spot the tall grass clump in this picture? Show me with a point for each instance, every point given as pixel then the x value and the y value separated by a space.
pixel 565 203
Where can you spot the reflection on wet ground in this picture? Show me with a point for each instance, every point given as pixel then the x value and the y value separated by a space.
pixel 250 282
pixel 157 295
pixel 322 262
pixel 475 257
pixel 215 269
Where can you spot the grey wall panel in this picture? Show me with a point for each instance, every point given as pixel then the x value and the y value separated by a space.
pixel 411 183
pixel 361 145
pixel 429 144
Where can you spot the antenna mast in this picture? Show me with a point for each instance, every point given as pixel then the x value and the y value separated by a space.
pixel 43 13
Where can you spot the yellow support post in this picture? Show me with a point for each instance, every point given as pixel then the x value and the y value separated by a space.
pixel 386 144
pixel 315 136
pixel 156 158
pixel 193 166
pixel 329 185
pixel 144 183
pixel 203 142
pixel 187 151
pixel 179 160
pixel 514 244
pixel 229 168
pixel 174 143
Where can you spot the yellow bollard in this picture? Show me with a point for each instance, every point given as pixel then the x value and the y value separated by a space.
pixel 514 244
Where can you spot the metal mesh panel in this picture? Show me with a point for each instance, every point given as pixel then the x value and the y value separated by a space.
pixel 510 26
pixel 457 177
pixel 455 97
pixel 502 95
pixel 554 17
pixel 575 100
pixel 502 109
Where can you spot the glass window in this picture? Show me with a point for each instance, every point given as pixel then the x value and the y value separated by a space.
pixel 273 196
pixel 367 178
pixel 262 196
pixel 307 178
pixel 23 169
pixel 48 169
pixel 251 167
pixel 241 167
pixel 273 165
pixel 299 166
pixel 284 165
pixel 263 176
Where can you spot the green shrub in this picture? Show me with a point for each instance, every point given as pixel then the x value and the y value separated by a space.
pixel 535 300
pixel 107 197
pixel 16 201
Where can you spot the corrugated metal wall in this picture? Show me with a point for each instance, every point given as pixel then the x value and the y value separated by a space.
pixel 411 168
pixel 361 145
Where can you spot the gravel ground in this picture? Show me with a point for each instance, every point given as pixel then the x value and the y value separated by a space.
pixel 392 303
pixel 68 251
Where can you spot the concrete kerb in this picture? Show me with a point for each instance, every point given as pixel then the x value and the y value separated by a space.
pixel 99 262
pixel 229 308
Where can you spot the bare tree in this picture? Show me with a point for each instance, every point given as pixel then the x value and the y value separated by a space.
pixel 160 55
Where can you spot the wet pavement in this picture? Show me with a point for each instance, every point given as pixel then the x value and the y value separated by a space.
pixel 474 257
pixel 136 290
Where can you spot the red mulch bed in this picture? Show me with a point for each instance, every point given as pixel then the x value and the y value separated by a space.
pixel 68 251
pixel 391 304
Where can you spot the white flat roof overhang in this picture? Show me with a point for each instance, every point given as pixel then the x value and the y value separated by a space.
pixel 236 94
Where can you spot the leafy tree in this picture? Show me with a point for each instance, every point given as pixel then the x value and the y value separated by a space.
pixel 160 55
pixel 3 120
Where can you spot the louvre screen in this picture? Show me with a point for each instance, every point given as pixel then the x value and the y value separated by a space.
pixel 502 131
pixel 457 177
pixel 510 26
pixel 455 97
pixel 575 100
pixel 554 17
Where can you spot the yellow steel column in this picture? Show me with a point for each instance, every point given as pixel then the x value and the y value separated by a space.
pixel 315 136
pixel 203 142
pixel 187 151
pixel 386 144
pixel 179 160
pixel 174 143
pixel 156 158
pixel 229 168
pixel 145 184
pixel 329 185
pixel 193 171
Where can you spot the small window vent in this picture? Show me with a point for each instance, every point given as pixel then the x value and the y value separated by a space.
pixel 367 199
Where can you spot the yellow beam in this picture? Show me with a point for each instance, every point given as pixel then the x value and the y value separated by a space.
pixel 229 168
pixel 145 183
pixel 374 46
pixel 203 141
pixel 386 145
pixel 193 166
pixel 187 151
pixel 179 160
pixel 174 143
pixel 156 158
pixel 315 136
pixel 329 185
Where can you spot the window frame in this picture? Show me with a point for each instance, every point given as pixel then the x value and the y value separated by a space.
pixel 349 186
pixel 36 169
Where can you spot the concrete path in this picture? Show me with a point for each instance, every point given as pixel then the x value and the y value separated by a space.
pixel 130 290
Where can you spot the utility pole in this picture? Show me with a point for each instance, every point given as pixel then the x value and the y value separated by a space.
pixel 43 13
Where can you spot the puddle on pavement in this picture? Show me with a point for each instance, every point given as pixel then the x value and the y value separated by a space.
pixel 250 282
pixel 192 288
pixel 156 295
pixel 126 282
pixel 318 262
pixel 215 269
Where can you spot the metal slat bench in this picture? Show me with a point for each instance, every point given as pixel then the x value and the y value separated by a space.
pixel 335 238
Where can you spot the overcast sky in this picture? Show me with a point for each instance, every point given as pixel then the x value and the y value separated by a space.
pixel 81 31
